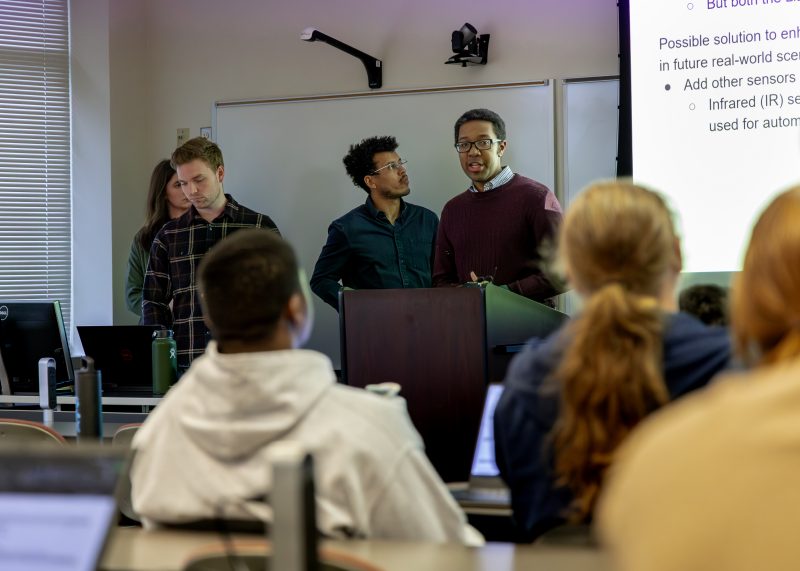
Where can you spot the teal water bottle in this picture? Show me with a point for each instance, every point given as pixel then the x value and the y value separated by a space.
pixel 165 361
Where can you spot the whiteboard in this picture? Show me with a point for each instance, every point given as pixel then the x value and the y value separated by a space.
pixel 283 157
pixel 591 123
pixel 590 131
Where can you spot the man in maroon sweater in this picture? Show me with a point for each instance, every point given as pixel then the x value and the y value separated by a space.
pixel 497 227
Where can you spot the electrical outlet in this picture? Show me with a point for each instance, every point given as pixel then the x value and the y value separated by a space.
pixel 183 136
pixel 205 132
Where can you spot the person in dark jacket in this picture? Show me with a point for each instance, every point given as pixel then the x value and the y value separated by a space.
pixel 571 399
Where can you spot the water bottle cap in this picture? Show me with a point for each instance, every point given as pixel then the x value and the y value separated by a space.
pixel 162 333
pixel 87 365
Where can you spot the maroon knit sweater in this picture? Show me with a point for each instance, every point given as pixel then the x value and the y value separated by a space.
pixel 498 233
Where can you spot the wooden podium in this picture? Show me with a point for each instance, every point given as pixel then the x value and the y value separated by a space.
pixel 443 346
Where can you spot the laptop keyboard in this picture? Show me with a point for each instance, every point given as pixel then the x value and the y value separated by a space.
pixel 488 495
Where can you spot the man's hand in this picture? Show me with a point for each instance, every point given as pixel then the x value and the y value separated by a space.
pixel 478 281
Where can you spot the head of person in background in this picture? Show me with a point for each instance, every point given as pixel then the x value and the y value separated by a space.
pixel 765 300
pixel 201 169
pixel 251 294
pixel 707 302
pixel 480 139
pixel 375 167
pixel 165 201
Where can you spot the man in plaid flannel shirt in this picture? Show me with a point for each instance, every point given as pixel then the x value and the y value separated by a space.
pixel 170 296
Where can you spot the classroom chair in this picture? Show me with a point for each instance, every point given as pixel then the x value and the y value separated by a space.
pixel 122 438
pixel 13 430
pixel 124 434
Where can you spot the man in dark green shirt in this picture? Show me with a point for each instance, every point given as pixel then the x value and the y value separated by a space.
pixel 385 243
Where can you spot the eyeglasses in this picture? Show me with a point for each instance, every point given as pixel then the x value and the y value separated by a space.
pixel 480 144
pixel 392 166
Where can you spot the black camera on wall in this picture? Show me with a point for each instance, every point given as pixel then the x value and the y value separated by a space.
pixel 470 47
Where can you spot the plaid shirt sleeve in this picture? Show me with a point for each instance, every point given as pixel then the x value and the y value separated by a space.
pixel 266 222
pixel 157 292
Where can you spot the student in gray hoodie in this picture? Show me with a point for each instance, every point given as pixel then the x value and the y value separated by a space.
pixel 202 453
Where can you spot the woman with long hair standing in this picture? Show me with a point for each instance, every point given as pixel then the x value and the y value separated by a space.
pixel 572 398
pixel 165 201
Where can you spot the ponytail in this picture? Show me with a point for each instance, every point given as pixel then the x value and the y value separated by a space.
pixel 610 378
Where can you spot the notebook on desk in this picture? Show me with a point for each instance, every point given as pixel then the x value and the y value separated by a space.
pixel 124 356
pixel 485 487
pixel 57 505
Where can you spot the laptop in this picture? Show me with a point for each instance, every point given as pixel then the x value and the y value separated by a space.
pixel 485 487
pixel 57 505
pixel 124 356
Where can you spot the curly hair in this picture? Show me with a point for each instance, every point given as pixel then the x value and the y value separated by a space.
pixel 619 246
pixel 482 115
pixel 707 302
pixel 358 162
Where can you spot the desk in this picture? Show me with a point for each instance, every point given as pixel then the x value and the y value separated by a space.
pixel 64 421
pixel 133 549
pixel 143 401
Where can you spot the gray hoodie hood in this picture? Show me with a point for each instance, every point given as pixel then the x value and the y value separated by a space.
pixel 237 403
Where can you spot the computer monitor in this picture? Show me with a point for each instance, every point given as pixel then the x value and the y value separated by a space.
pixel 30 330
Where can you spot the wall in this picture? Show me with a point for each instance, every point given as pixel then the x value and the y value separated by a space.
pixel 93 287
pixel 171 59
pixel 130 156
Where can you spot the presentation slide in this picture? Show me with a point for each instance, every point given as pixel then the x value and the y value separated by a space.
pixel 716 115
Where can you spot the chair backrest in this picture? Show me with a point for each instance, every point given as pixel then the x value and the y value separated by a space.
pixel 27 431
pixel 124 434
pixel 254 555
pixel 122 438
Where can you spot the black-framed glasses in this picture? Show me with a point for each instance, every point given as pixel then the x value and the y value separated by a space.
pixel 392 166
pixel 480 144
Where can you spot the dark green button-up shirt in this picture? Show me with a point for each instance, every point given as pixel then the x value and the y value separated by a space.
pixel 365 251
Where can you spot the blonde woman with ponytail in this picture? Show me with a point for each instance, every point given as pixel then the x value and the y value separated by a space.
pixel 571 399
pixel 712 483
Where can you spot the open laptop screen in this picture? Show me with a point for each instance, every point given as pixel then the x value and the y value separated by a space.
pixel 56 507
pixel 483 463
pixel 122 353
